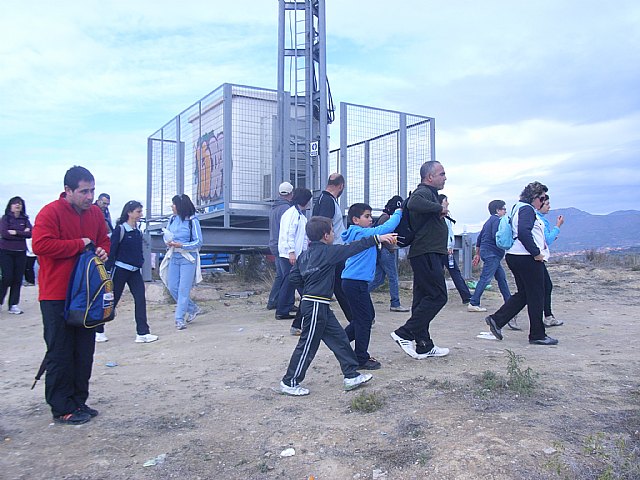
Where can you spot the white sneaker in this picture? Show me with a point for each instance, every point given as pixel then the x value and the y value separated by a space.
pixel 15 309
pixel 297 391
pixel 192 316
pixel 101 337
pixel 551 321
pixel 352 383
pixel 406 345
pixel 434 352
pixel 148 338
pixel 475 308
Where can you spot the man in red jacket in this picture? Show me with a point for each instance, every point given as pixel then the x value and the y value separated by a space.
pixel 62 230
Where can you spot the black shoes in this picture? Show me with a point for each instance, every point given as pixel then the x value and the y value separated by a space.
pixel 75 418
pixel 544 341
pixel 371 364
pixel 497 332
pixel 84 408
pixel 288 316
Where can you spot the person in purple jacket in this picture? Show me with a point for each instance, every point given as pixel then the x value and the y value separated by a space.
pixel 491 255
pixel 15 228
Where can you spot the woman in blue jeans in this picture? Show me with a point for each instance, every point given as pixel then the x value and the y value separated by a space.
pixel 184 239
pixel 491 255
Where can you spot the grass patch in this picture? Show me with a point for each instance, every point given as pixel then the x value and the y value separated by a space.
pixel 521 381
pixel 608 457
pixel 366 402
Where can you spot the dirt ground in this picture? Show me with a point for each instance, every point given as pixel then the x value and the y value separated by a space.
pixel 202 401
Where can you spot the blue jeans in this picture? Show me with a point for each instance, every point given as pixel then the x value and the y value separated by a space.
pixel 277 285
pixel 491 268
pixel 182 275
pixel 387 266
pixel 287 294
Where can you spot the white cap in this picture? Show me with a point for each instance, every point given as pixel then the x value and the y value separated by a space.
pixel 285 188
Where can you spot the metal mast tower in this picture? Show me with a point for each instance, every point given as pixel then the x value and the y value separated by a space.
pixel 303 111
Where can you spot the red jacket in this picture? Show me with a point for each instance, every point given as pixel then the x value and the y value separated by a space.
pixel 57 241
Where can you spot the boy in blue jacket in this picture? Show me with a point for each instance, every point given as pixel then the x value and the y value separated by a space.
pixel 359 270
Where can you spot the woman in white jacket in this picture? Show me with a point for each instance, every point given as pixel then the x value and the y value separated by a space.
pixel 526 261
pixel 291 243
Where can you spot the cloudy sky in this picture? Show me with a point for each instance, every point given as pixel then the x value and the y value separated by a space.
pixel 521 91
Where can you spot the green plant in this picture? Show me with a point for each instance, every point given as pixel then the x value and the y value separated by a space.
pixel 520 381
pixel 367 402
pixel 491 381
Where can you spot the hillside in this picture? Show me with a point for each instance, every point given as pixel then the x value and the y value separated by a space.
pixel 584 231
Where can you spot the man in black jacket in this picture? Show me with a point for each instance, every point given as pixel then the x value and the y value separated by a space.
pixel 426 256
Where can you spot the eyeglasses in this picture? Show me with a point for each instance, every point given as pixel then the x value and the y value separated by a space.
pixel 542 198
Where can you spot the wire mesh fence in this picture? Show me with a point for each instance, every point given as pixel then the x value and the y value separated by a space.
pixel 380 153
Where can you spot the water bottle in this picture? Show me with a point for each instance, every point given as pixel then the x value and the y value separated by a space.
pixel 451 263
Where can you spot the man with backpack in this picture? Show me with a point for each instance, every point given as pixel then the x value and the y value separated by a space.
pixel 426 253
pixel 61 232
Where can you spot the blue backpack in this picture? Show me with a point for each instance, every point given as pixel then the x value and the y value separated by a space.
pixel 90 299
pixel 504 235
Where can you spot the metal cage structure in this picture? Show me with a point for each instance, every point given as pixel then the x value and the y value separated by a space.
pixel 220 152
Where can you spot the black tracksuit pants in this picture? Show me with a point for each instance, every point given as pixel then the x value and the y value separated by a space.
pixel 319 323
pixel 68 361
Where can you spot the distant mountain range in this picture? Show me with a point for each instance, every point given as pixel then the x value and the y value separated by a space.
pixel 584 231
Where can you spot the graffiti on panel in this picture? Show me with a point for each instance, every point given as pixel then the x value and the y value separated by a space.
pixel 209 165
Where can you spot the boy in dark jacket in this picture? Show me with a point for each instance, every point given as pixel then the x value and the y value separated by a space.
pixel 491 255
pixel 314 273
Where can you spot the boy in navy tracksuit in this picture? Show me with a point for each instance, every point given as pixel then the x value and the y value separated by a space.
pixel 314 272
pixel 358 272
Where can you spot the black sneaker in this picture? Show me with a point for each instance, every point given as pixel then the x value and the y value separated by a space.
pixel 544 341
pixel 75 418
pixel 84 408
pixel 496 332
pixel 371 364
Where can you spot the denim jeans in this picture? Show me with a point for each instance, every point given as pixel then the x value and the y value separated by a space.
pixel 491 268
pixel 277 284
pixel 387 266
pixel 182 275
pixel 287 294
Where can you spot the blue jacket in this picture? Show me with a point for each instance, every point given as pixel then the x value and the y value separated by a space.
pixel 550 234
pixel 186 231
pixel 363 265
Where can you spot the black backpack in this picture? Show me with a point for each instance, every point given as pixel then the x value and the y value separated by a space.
pixel 406 233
